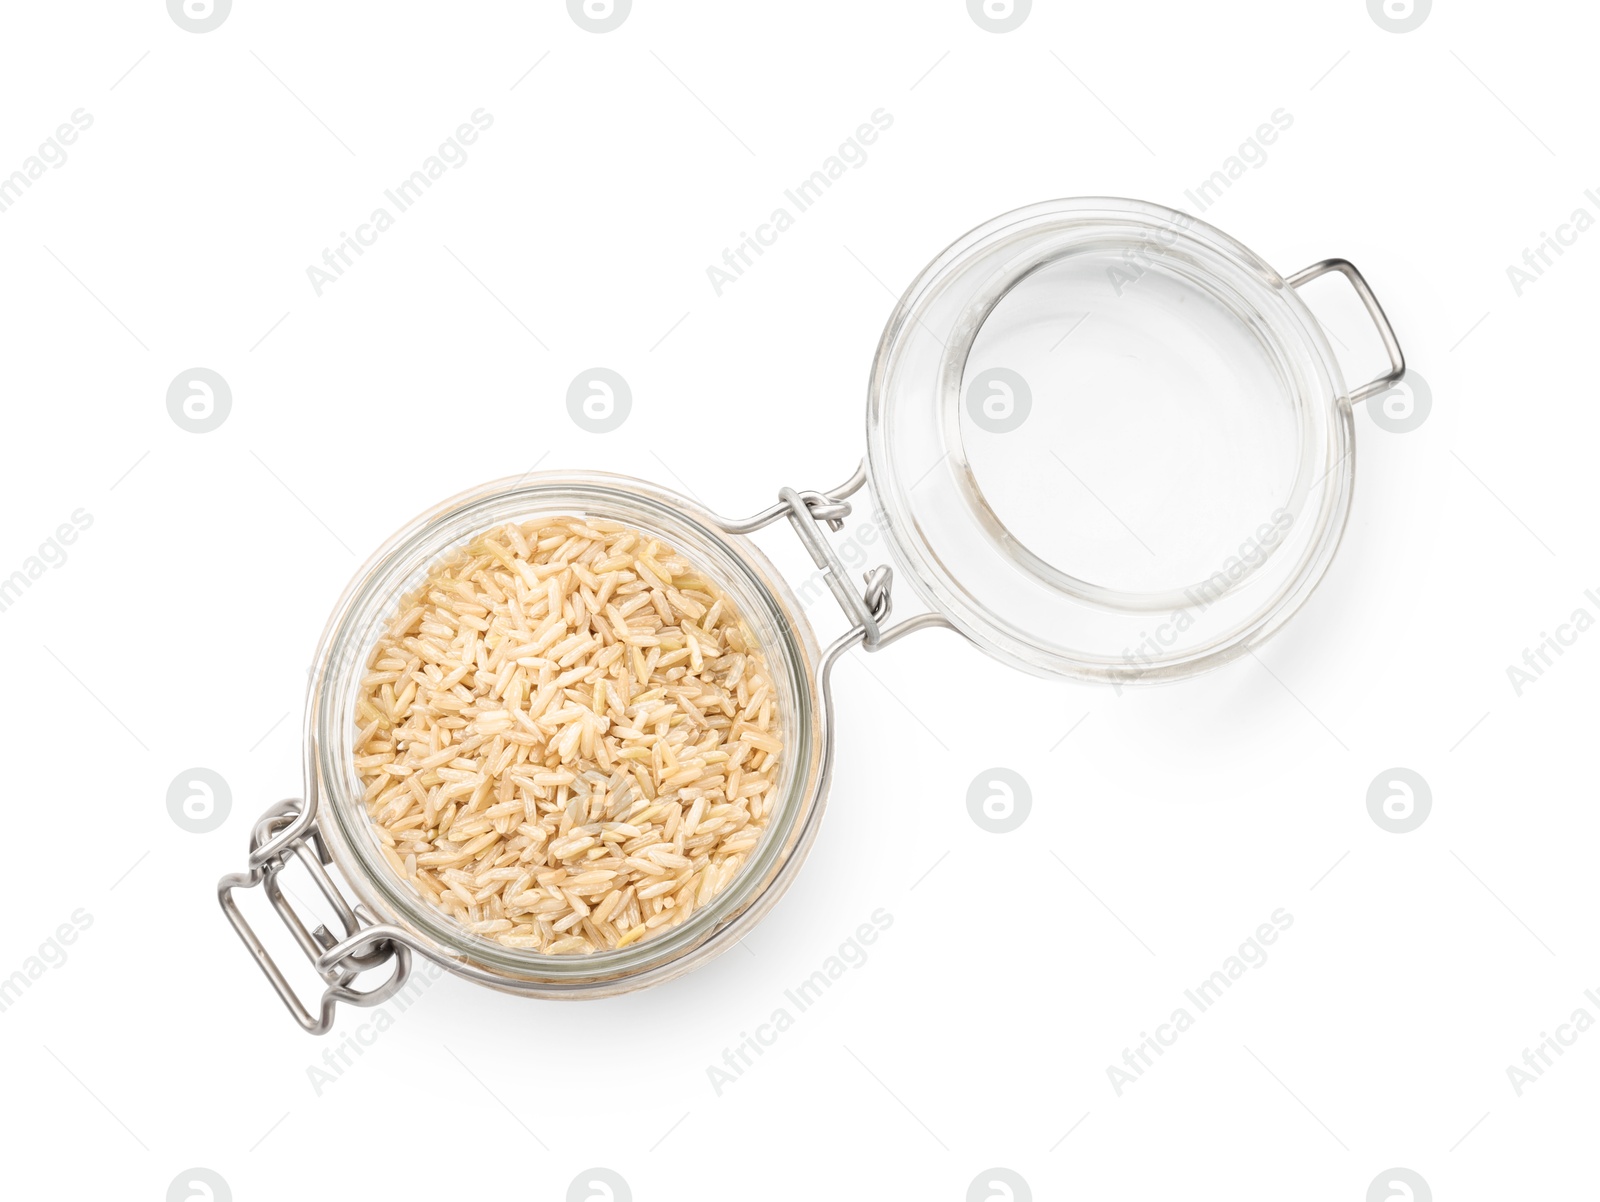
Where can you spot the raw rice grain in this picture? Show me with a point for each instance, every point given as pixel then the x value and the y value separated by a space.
pixel 567 738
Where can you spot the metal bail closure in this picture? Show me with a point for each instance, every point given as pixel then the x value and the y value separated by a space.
pixel 285 831
pixel 867 611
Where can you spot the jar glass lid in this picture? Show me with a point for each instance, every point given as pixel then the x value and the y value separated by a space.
pixel 1109 442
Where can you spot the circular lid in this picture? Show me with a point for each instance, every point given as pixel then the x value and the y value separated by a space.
pixel 1108 441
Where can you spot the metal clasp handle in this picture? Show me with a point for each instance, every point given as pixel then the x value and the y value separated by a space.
pixel 366 944
pixel 867 611
pixel 1391 344
pixel 804 511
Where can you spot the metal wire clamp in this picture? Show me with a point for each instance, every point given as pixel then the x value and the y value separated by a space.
pixel 365 945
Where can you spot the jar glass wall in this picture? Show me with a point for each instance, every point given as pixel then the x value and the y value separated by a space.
pixel 768 608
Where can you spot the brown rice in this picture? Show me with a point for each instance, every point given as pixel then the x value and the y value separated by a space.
pixel 568 739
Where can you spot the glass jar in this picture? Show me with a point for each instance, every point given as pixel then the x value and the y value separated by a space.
pixel 1189 329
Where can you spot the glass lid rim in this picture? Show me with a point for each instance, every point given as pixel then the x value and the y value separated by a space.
pixel 1292 328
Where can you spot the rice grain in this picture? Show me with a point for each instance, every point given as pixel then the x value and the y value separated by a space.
pixel 567 738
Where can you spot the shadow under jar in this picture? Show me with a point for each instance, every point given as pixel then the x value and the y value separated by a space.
pixel 1088 420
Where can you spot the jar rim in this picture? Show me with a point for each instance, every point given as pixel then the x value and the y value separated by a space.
pixel 767 605
pixel 964 559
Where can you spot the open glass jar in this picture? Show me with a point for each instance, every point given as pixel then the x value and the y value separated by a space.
pixel 1106 442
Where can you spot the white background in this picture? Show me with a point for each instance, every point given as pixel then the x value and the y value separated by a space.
pixel 1165 827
